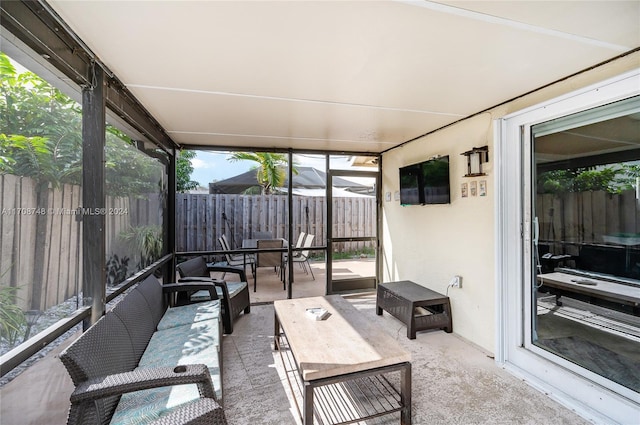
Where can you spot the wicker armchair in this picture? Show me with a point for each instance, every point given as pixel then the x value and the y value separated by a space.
pixel 234 295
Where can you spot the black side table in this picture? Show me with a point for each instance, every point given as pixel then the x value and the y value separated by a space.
pixel 419 308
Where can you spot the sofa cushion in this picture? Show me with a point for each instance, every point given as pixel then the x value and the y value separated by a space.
pixel 192 342
pixel 180 345
pixel 233 287
pixel 191 313
pixel 143 407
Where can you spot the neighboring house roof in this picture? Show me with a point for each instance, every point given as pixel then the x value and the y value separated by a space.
pixel 307 178
pixel 337 192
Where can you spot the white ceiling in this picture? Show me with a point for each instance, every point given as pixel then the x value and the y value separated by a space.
pixel 353 76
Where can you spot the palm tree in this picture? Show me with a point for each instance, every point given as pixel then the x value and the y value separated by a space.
pixel 270 172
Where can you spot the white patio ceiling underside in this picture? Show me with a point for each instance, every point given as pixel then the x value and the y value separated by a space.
pixel 352 76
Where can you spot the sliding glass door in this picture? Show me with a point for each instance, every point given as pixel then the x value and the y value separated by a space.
pixel 586 254
pixel 568 237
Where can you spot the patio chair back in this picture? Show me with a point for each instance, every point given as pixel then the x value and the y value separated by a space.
pixel 303 258
pixel 307 243
pixel 195 267
pixel 269 259
pixel 234 260
pixel 227 245
pixel 299 243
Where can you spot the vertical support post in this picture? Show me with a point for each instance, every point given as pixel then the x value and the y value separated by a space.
pixel 170 218
pixel 93 195
pixel 290 227
pixel 329 224
pixel 379 224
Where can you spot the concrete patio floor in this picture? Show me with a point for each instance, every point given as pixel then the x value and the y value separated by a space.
pixel 454 382
pixel 270 288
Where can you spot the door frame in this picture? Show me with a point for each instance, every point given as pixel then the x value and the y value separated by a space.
pixel 349 285
pixel 576 388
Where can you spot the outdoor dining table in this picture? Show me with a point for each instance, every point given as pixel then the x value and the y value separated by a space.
pixel 253 243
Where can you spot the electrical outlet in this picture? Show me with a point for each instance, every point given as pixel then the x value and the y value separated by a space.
pixel 457 281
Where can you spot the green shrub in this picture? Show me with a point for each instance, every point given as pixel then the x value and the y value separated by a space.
pixel 147 240
pixel 12 318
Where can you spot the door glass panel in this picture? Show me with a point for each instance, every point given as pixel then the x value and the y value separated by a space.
pixel 309 232
pixel 586 265
pixel 354 222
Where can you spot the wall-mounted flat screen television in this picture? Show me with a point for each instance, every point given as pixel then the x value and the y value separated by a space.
pixel 410 187
pixel 435 181
pixel 426 182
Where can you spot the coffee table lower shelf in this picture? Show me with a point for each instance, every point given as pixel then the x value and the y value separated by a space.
pixel 344 399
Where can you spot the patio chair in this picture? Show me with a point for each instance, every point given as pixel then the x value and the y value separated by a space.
pixel 303 258
pixel 234 296
pixel 237 259
pixel 298 245
pixel 224 243
pixel 268 259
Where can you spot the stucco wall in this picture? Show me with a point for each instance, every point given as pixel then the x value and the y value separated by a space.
pixel 432 243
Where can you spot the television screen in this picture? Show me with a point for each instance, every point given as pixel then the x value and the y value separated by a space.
pixel 435 181
pixel 410 193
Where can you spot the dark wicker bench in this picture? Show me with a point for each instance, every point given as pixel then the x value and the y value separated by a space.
pixel 419 308
pixel 130 363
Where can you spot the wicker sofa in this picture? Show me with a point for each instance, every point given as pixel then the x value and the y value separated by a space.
pixel 132 364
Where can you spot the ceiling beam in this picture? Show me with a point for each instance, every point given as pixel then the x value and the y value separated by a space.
pixel 32 24
pixel 39 27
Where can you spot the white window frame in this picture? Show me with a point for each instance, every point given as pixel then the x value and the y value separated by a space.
pixel 589 394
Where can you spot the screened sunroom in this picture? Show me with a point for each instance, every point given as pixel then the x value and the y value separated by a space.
pixel 109 110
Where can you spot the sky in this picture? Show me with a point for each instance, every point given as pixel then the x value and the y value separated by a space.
pixel 214 166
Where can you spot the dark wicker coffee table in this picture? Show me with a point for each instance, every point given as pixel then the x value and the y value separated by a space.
pixel 417 307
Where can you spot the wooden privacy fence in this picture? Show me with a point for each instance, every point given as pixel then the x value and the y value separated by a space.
pixel 41 237
pixel 202 219
pixel 41 232
pixel 586 217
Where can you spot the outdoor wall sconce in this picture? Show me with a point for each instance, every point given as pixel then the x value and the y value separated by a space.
pixel 475 158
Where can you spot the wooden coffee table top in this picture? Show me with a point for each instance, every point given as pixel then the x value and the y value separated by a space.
pixel 346 342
